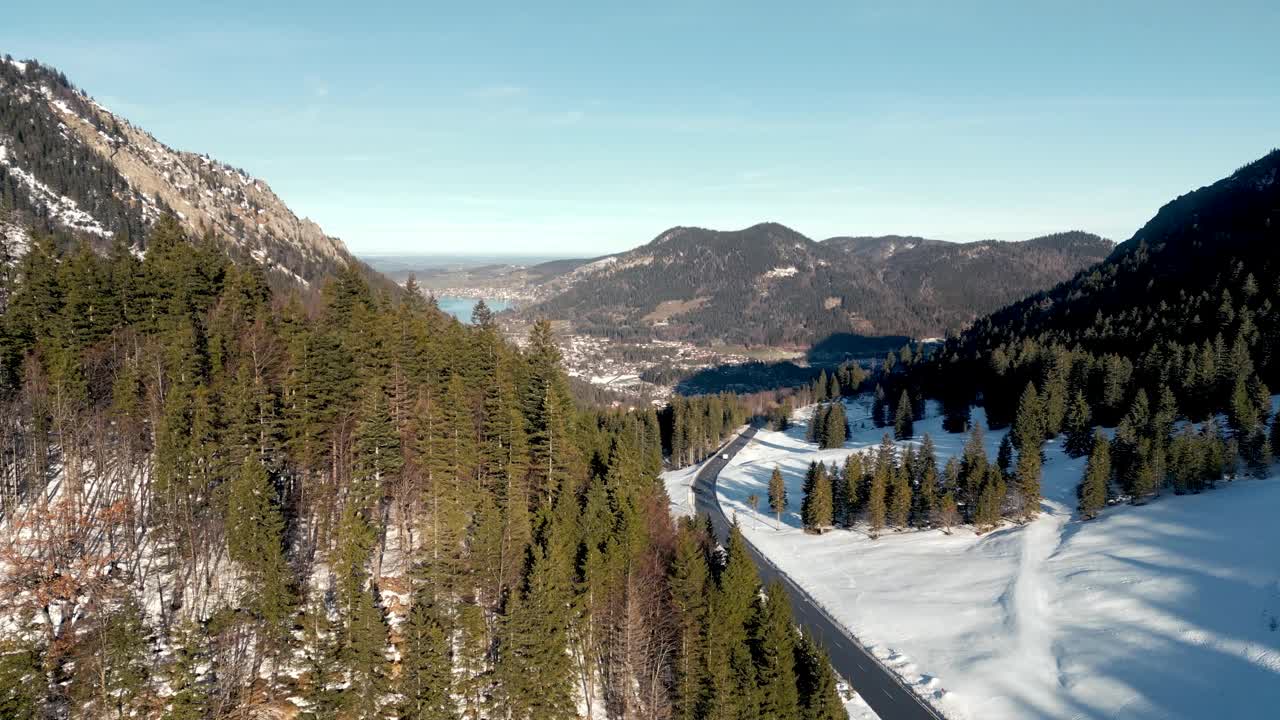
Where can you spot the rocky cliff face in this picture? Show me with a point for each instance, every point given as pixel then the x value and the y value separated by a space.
pixel 67 163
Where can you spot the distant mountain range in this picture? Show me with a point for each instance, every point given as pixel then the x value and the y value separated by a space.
pixel 69 164
pixel 768 285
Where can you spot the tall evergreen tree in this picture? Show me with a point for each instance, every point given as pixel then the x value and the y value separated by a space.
pixel 1029 470
pixel 877 492
pixel 1097 473
pixel 1078 426
pixel 774 643
pixel 777 494
pixel 819 696
pixel 817 508
pixel 903 422
pixel 425 682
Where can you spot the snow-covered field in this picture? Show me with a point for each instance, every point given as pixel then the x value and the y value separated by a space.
pixel 1170 610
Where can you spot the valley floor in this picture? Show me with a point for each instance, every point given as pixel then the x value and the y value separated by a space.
pixel 1169 610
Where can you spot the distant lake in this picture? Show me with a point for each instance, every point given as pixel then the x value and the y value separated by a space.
pixel 461 307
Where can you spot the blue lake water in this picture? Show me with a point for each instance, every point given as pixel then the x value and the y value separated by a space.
pixel 461 307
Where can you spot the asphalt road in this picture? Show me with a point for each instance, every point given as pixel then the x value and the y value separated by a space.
pixel 877 685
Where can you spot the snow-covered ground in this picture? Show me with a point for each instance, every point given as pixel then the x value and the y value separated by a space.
pixel 679 484
pixel 1170 610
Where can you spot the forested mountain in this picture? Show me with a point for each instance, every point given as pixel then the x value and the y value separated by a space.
pixel 224 501
pixel 1172 341
pixel 1189 295
pixel 769 285
pixel 68 163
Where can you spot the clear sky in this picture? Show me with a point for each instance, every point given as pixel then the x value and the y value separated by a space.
pixel 589 127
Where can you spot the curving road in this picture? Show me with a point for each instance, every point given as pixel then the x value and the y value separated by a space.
pixel 877 685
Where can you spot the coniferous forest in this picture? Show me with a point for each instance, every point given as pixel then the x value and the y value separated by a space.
pixel 223 500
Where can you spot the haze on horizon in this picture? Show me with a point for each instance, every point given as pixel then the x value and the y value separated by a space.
pixel 473 130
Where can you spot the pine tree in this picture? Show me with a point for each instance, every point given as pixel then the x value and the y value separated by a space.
pixel 900 495
pixel 879 408
pixel 926 484
pixel 732 685
pixel 817 508
pixel 325 677
pixel 987 513
pixel 972 470
pixel 1028 423
pixel 877 492
pixel 1004 455
pixel 774 643
pixel 777 494
pixel 363 656
pixel 854 487
pixel 835 426
pixel 1097 472
pixel 190 696
pixel 1079 427
pixel 903 423
pixel 820 698
pixel 817 424
pixel 690 585
pixel 533 670
pixel 425 681
pixel 255 540
pixel 1029 470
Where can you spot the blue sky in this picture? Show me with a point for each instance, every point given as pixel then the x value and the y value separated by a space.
pixel 584 128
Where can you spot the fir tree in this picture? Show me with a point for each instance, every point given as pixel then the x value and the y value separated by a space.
pixel 990 498
pixel 190 695
pixel 926 484
pixel 881 477
pixel 1079 427
pixel 1097 472
pixel 690 585
pixel 820 698
pixel 973 470
pixel 533 669
pixel 1029 424
pixel 835 426
pixel 732 685
pixel 900 495
pixel 777 494
pixel 255 540
pixel 774 644
pixel 903 423
pixel 817 507
pixel 854 487
pixel 1004 455
pixel 425 681
pixel 1029 470
pixel 363 656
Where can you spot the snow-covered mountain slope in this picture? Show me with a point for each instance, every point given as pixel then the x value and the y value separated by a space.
pixel 67 163
pixel 1169 610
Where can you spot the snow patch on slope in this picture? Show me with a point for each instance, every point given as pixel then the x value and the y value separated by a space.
pixel 61 208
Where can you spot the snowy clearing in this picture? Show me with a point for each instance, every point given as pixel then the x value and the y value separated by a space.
pixel 679 484
pixel 1170 610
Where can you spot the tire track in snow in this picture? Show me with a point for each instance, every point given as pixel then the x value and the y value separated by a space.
pixel 1028 599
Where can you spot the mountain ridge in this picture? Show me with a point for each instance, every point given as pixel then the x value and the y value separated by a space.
pixel 695 283
pixel 67 163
